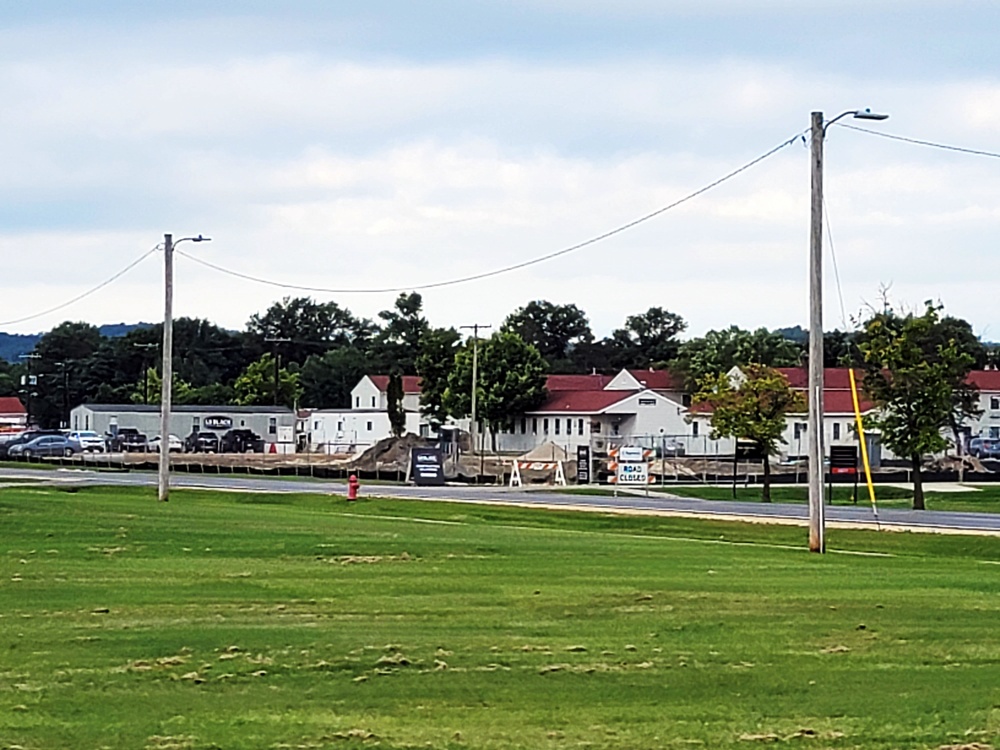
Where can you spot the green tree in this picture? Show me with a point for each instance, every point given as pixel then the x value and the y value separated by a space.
pixel 255 387
pixel 646 340
pixel 306 328
pixel 180 390
pixel 64 355
pixel 394 405
pixel 916 373
pixel 752 410
pixel 397 345
pixel 327 379
pixel 434 364
pixel 511 380
pixel 717 352
pixel 558 332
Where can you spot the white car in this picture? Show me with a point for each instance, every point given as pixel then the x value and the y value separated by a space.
pixel 174 444
pixel 88 440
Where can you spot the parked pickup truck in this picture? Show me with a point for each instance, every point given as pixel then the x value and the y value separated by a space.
pixel 128 439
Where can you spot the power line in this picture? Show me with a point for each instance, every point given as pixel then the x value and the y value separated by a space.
pixel 515 266
pixel 919 142
pixel 79 297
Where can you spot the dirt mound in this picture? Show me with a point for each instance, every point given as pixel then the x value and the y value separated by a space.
pixel 391 453
pixel 955 463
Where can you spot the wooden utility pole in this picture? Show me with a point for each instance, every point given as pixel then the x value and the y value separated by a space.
pixel 163 480
pixel 817 542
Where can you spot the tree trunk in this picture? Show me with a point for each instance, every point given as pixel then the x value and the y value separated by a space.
pixel 765 494
pixel 918 486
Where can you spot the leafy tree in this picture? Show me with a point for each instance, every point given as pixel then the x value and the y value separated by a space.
pixel 255 387
pixel 63 355
pixel 752 410
pixel 916 372
pixel 511 380
pixel 840 348
pixel 394 404
pixel 180 390
pixel 327 379
pixel 397 345
pixel 434 364
pixel 717 352
pixel 647 339
pixel 556 331
pixel 307 328
pixel 9 378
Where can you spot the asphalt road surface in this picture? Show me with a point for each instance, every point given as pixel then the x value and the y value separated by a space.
pixel 657 503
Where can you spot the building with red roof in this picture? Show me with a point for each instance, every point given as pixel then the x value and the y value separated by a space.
pixel 13 415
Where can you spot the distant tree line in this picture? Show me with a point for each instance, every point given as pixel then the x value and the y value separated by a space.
pixel 303 352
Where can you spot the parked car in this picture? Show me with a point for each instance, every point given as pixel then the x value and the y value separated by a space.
pixel 174 444
pixel 24 437
pixel 201 442
pixel 241 441
pixel 44 445
pixel 87 440
pixel 984 447
pixel 127 439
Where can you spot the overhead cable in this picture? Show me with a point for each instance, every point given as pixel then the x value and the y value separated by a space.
pixel 79 297
pixel 505 269
pixel 918 142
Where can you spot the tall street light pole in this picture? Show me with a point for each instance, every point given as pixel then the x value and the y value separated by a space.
pixel 817 521
pixel 166 393
pixel 475 377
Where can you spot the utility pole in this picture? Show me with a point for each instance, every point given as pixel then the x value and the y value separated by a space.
pixel 475 383
pixel 277 361
pixel 817 511
pixel 145 371
pixel 29 382
pixel 65 391
pixel 166 393
pixel 817 526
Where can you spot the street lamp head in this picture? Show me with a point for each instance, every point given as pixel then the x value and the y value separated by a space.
pixel 199 238
pixel 867 114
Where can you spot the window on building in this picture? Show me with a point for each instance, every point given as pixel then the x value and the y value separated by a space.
pixel 272 425
pixel 694 429
pixel 836 430
pixel 368 426
pixel 995 433
pixel 243 423
pixel 556 423
pixel 373 402
pixel 614 428
pixel 195 424
pixel 595 427
pixel 994 403
pixel 340 426
pixel 316 424
pixel 534 425
pixel 357 402
pixel 524 425
pixel 545 426
pixel 799 429
pixel 647 402
pixel 579 427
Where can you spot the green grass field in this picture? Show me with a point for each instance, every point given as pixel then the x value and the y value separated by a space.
pixel 224 620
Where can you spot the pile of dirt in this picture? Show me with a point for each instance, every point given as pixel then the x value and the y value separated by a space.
pixel 957 463
pixel 546 452
pixel 390 454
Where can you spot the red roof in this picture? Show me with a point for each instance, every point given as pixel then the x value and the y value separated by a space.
pixel 581 402
pixel 11 405
pixel 985 380
pixel 833 377
pixel 661 380
pixel 576 382
pixel 411 383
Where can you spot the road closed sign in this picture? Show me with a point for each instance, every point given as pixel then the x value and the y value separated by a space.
pixel 633 472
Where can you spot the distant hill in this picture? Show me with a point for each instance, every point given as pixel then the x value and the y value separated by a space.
pixel 13 345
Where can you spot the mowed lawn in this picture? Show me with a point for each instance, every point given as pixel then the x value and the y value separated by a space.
pixel 225 620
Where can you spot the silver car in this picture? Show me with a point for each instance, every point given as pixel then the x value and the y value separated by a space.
pixel 45 445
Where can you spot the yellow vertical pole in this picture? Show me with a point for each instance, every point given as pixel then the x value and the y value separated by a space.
pixel 861 437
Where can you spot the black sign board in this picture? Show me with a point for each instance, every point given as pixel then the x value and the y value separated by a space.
pixel 843 459
pixel 583 464
pixel 427 466
pixel 747 451
pixel 217 423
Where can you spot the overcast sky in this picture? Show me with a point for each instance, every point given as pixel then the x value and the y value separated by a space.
pixel 391 143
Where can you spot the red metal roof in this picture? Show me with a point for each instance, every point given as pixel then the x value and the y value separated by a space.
pixel 835 401
pixel 576 382
pixel 986 380
pixel 581 402
pixel 11 405
pixel 833 377
pixel 661 380
pixel 411 383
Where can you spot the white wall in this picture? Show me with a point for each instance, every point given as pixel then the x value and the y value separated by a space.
pixel 366 395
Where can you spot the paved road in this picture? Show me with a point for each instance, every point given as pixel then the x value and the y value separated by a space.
pixel 657 503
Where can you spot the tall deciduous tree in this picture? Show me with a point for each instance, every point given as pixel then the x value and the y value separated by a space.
pixel 434 364
pixel 511 380
pixel 306 327
pixel 255 387
pixel 327 379
pixel 753 409
pixel 397 345
pixel 916 373
pixel 63 356
pixel 558 332
pixel 647 339
pixel 718 352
